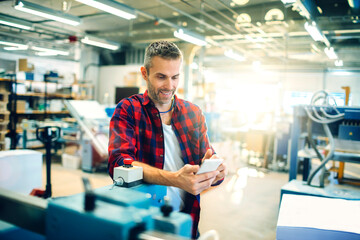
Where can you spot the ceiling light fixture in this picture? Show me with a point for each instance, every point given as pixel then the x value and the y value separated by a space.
pixel 330 53
pixel 190 37
pixel 112 7
pixel 103 43
pixel 351 3
pixel 314 32
pixel 46 12
pixel 288 1
pixel 12 44
pixel 231 54
pixel 339 63
pixel 14 22
pixel 49 52
pixel 16 48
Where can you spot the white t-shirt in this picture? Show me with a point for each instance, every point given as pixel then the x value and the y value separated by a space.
pixel 173 162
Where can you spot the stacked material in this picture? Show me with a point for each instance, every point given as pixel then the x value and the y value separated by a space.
pixel 20 170
pixel 311 218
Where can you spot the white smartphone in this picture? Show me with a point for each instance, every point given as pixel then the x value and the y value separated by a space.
pixel 209 165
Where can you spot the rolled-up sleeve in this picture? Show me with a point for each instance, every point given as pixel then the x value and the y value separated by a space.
pixel 122 137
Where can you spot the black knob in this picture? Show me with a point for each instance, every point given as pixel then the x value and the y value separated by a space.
pixel 166 209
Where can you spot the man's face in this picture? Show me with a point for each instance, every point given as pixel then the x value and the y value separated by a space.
pixel 162 79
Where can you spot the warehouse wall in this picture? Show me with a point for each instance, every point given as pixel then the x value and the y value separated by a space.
pixel 111 77
pixel 306 81
pixel 334 82
pixel 89 65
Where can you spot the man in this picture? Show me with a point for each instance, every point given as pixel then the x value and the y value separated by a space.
pixel 163 134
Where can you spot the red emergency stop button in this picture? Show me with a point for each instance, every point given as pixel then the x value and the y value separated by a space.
pixel 128 162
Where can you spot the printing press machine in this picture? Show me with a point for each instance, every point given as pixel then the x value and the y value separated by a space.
pixel 318 206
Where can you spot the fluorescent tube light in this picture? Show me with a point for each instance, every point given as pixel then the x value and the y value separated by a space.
pixel 330 53
pixel 314 32
pixel 46 12
pixel 339 63
pixel 112 7
pixel 13 22
pixel 49 52
pixel 190 37
pixel 16 48
pixel 288 1
pixel 100 43
pixel 351 3
pixel 18 45
pixel 233 55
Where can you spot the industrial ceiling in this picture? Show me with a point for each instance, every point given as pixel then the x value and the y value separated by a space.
pixel 269 31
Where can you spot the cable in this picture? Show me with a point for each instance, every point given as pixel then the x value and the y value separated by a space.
pixel 327 158
pixel 326 119
pixel 320 121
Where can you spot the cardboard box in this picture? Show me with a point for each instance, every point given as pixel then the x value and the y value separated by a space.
pixel 4 125
pixel 20 106
pixel 25 66
pixel 4 117
pixel 3 107
pixel 5 86
pixel 132 79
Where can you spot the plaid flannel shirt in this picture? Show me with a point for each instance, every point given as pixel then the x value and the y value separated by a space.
pixel 136 132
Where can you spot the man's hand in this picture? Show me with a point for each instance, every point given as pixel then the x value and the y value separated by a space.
pixel 222 169
pixel 192 183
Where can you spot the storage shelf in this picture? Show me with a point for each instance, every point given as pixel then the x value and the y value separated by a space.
pixel 43 112
pixel 48 95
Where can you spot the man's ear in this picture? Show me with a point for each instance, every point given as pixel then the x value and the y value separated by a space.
pixel 144 73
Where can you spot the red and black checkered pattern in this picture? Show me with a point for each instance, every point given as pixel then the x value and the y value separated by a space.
pixel 136 132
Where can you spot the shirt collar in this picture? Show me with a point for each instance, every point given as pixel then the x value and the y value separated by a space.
pixel 147 100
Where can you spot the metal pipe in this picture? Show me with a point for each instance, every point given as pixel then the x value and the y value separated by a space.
pixel 194 18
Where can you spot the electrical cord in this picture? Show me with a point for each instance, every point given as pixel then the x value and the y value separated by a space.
pixel 326 159
pixel 324 120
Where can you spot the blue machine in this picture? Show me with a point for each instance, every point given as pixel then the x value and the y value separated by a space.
pixel 346 128
pixel 109 212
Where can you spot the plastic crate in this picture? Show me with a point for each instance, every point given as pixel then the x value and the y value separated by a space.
pixel 70 161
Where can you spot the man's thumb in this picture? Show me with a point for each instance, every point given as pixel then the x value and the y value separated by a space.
pixel 208 154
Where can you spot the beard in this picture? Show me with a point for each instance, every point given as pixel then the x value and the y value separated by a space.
pixel 155 94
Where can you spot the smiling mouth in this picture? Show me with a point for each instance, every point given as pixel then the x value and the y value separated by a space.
pixel 166 93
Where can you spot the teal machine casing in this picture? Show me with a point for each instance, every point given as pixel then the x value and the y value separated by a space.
pixel 119 213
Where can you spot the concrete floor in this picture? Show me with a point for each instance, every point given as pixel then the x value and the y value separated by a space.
pixel 244 207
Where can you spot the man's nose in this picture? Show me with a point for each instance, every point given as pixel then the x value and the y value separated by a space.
pixel 168 83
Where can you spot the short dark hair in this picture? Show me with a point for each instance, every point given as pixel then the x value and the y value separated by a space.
pixel 163 49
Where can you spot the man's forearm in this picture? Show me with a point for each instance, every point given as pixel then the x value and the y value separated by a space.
pixel 157 176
